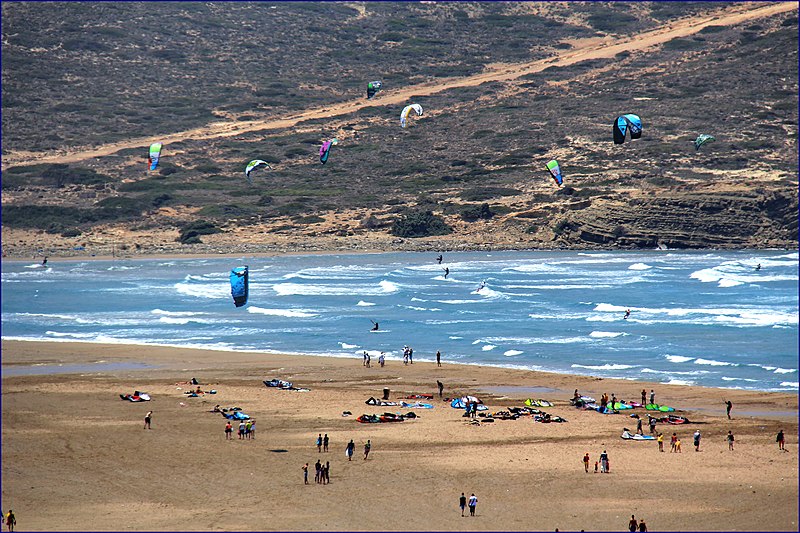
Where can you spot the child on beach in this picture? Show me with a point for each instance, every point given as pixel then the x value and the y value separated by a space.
pixel 661 442
pixel 678 445
pixel 595 467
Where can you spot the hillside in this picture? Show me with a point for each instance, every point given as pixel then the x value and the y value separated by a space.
pixel 505 88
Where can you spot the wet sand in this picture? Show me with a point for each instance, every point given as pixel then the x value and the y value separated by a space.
pixel 76 456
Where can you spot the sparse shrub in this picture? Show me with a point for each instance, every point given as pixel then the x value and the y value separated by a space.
pixel 420 224
pixel 476 212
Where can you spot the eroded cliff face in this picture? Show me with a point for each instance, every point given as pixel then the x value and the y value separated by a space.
pixel 695 219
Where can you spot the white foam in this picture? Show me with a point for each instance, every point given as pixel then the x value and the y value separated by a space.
pixel 711 362
pixel 606 366
pixel 346 346
pixel 362 303
pixel 205 290
pixel 726 378
pixel 606 334
pixel 71 335
pixel 785 370
pixel 678 358
pixel 793 384
pixel 280 312
pixel 184 320
pixel 299 289
pixel 679 382
pixel 639 266
pixel 510 353
pixel 724 282
pixel 174 313
pixel 488 347
pixel 454 337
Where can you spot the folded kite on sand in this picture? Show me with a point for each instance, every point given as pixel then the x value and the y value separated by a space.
pixel 656 407
pixel 538 403
pixel 284 385
pixel 373 401
pixel 627 435
pixel 136 397
pixel 419 405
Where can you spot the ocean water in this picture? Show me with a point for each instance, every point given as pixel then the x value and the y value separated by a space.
pixel 707 318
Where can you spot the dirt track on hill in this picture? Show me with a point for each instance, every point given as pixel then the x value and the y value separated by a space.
pixel 586 50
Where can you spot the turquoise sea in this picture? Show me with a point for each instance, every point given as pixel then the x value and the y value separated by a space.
pixel 701 317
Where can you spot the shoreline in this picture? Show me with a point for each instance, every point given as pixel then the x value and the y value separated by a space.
pixel 184 475
pixel 116 353
pixel 422 361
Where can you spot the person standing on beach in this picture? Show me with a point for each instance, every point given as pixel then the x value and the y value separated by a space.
pixel 305 474
pixel 652 420
pixel 604 462
pixel 327 472
pixel 697 440
pixel 11 520
pixel 441 387
pixel 319 441
pixel 678 445
pixel 586 462
pixel 661 442
pixel 365 358
pixel 644 397
pixel 367 448
pixel 642 525
pixel 473 503
pixel 253 429
pixel 639 427
pixel 438 358
pixel 633 525
pixel 462 502
pixel 411 355
pixel 652 396
pixel 673 442
pixel 381 359
pixel 228 430
pixel 318 474
pixel 147 418
pixel 728 408
pixel 247 427
pixel 241 430
pixel 730 440
pixel 366 361
pixel 780 440
pixel 351 447
pixel 325 441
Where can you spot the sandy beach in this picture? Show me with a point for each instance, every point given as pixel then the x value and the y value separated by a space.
pixel 76 456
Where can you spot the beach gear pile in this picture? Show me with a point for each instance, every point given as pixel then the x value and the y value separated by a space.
pixel 234 413
pixel 284 385
pixel 385 418
pixel 373 401
pixel 627 435
pixel 136 397
pixel 538 403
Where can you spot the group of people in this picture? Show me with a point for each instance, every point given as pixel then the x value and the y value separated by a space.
pixel 408 355
pixel 636 526
pixel 602 463
pixel 351 449
pixel 472 503
pixel 245 431
pixel 322 475
pixel 368 359
pixel 322 443
pixel 10 520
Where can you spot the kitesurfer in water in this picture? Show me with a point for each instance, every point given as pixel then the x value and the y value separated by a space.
pixel 758 267
pixel 483 284
pixel 446 272
pixel 375 326
pixel 439 259
pixel 627 314
pixel 44 261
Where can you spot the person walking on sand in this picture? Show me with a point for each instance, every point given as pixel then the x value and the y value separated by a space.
pixel 780 439
pixel 652 421
pixel 318 469
pixel 586 462
pixel 441 387
pixel 147 419
pixel 661 442
pixel 253 429
pixel 642 525
pixel 351 447
pixel 673 443
pixel 730 440
pixel 697 440
pixel 639 427
pixel 364 362
pixel 319 443
pixel 633 525
pixel 728 408
pixel 11 520
pixel 228 430
pixel 473 503
pixel 462 502
pixel 438 358
pixel 604 462
pixel 367 448
pixel 381 359
pixel 305 474
pixel 325 441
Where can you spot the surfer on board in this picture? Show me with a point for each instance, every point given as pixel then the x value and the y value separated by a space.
pixel 375 326
pixel 439 259
pixel 758 267
pixel 627 314
pixel 446 272
pixel 44 261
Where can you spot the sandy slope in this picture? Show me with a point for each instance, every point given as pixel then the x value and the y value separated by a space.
pixel 583 50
